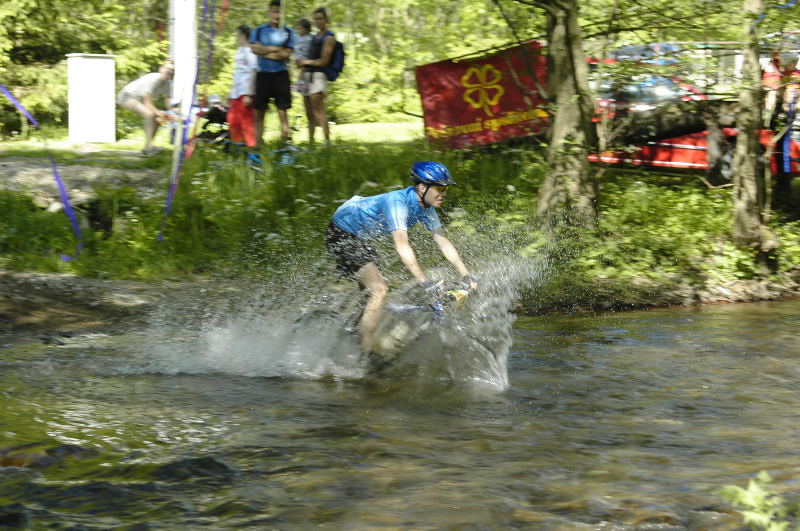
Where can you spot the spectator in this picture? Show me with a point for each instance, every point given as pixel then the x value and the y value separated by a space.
pixel 240 110
pixel 273 45
pixel 773 85
pixel 138 97
pixel 301 49
pixel 320 54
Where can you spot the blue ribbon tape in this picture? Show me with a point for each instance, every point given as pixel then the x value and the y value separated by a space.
pixel 62 189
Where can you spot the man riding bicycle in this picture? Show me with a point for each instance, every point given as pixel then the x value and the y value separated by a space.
pixel 361 219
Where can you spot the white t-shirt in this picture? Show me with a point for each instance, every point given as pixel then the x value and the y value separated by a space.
pixel 148 84
pixel 245 64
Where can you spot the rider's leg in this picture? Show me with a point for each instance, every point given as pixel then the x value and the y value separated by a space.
pixel 371 280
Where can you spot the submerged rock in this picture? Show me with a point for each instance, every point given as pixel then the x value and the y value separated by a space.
pixel 197 467
pixel 14 515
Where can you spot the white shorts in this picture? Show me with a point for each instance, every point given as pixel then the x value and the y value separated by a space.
pixel 315 82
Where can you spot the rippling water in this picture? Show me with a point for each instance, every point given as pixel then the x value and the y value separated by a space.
pixel 617 421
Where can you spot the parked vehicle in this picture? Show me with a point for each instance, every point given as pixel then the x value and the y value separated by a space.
pixel 690 152
pixel 645 92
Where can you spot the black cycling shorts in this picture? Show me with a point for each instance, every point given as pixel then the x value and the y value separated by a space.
pixel 351 252
pixel 272 86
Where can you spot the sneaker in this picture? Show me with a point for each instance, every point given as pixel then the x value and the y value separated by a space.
pixel 254 162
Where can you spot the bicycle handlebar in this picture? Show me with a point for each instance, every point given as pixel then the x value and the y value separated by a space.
pixel 455 296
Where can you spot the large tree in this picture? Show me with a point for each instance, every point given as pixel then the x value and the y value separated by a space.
pixel 749 195
pixel 567 188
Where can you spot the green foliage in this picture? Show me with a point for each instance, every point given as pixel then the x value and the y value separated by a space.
pixel 675 230
pixel 384 40
pixel 36 36
pixel 761 507
pixel 131 63
pixel 659 239
pixel 31 238
pixel 657 242
pixel 789 238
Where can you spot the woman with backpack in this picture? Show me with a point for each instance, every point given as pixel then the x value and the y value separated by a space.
pixel 315 76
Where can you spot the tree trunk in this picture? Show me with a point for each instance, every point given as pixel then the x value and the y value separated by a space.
pixel 566 187
pixel 748 183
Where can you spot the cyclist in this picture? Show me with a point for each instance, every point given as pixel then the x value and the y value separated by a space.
pixel 361 219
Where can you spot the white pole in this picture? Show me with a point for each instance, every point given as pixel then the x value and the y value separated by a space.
pixel 183 52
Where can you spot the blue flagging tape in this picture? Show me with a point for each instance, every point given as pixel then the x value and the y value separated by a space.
pixel 787 138
pixel 19 106
pixel 62 189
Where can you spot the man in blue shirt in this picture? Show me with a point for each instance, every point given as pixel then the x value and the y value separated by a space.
pixel 361 219
pixel 273 45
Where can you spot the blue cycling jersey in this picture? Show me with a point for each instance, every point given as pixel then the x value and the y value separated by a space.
pixel 368 217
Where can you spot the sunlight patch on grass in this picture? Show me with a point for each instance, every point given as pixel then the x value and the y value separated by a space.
pixel 379 132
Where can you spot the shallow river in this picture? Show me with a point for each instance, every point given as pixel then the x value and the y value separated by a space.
pixel 617 421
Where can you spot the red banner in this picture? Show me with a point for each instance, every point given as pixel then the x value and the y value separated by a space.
pixel 484 100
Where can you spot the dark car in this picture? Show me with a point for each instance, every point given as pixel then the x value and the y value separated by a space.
pixel 645 92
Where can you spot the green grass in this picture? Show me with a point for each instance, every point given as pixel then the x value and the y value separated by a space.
pixel 657 230
pixel 125 153
pixel 395 132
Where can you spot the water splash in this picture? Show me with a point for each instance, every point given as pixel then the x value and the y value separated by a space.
pixel 299 329
pixel 253 335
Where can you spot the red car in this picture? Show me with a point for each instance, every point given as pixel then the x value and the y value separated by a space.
pixel 689 152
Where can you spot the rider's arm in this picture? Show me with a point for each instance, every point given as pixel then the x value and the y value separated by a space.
pixel 407 255
pixel 449 251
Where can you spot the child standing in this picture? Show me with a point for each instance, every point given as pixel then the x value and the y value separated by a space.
pixel 240 113
pixel 301 49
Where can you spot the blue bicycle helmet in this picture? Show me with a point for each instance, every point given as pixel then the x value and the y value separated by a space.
pixel 431 173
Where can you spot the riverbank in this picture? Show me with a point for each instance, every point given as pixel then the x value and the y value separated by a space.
pixel 51 307
pixel 662 240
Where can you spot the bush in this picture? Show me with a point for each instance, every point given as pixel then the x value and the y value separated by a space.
pixel 760 506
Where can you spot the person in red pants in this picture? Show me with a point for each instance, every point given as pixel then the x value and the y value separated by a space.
pixel 241 122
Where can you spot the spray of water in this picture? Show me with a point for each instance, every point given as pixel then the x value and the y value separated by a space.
pixel 305 328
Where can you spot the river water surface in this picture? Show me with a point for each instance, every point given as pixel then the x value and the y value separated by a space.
pixel 617 421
